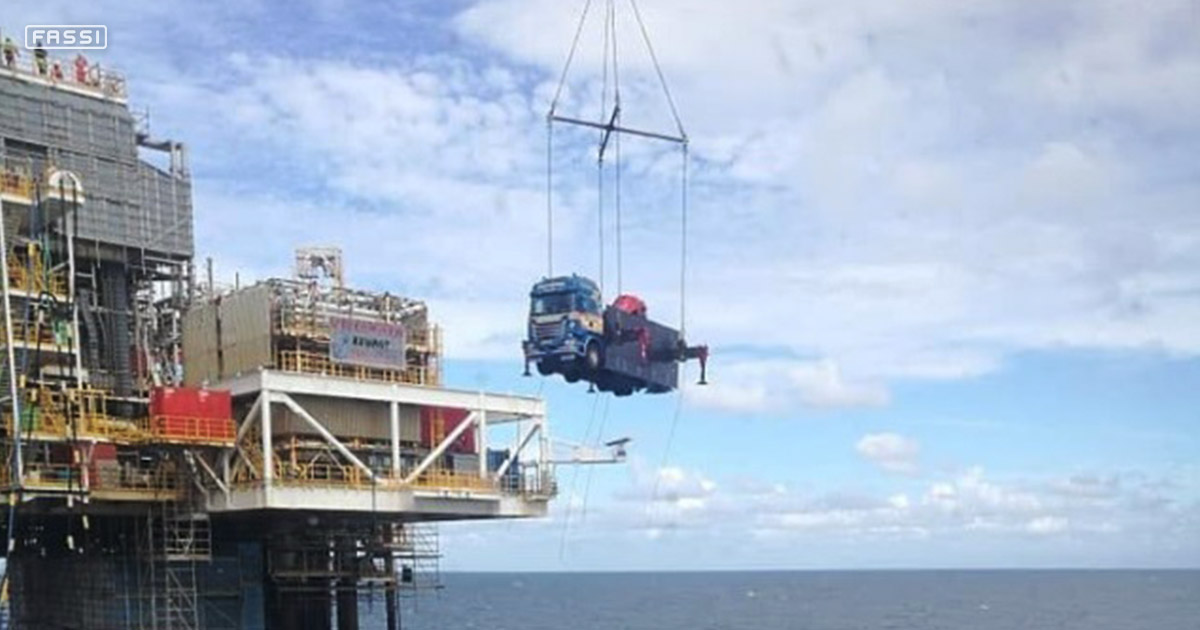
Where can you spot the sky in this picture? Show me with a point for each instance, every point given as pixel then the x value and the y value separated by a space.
pixel 946 254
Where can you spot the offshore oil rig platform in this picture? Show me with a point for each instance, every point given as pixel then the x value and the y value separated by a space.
pixel 180 456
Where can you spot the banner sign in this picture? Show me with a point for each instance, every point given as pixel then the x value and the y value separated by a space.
pixel 373 344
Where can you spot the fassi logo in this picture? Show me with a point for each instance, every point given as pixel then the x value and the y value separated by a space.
pixel 66 36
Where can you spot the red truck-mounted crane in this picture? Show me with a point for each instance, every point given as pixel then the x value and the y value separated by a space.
pixel 616 348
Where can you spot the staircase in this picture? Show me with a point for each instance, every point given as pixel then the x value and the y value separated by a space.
pixel 179 537
pixel 417 553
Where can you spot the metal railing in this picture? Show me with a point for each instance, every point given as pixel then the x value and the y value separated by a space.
pixel 33 279
pixel 317 363
pixel 16 178
pixel 529 483
pixel 298 323
pixel 444 479
pixel 82 413
pixel 189 429
pixel 90 78
pixel 38 475
pixel 149 481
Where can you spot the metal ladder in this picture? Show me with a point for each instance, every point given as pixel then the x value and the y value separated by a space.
pixel 181 537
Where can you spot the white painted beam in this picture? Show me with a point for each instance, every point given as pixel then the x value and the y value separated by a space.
pixel 529 433
pixel 394 416
pixel 501 407
pixel 268 455
pixel 319 428
pixel 467 423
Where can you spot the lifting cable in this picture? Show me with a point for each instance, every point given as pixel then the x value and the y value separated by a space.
pixel 550 141
pixel 610 125
pixel 666 457
pixel 683 233
pixel 549 198
pixel 612 25
pixel 587 485
pixel 662 80
pixel 600 152
pixel 562 546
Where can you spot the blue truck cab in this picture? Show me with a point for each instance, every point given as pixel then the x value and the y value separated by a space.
pixel 566 326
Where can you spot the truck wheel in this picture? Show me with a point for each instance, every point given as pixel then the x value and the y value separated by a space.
pixel 571 375
pixel 546 367
pixel 592 356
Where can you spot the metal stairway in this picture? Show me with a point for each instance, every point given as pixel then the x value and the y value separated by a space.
pixel 179 538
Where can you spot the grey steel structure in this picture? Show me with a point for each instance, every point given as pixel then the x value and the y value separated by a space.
pixel 133 237
pixel 321 488
pixel 132 204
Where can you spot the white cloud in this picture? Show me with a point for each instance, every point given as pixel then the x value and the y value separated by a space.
pixel 903 211
pixel 780 385
pixel 1047 525
pixel 892 452
pixel 888 194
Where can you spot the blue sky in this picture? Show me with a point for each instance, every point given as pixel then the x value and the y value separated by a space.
pixel 947 254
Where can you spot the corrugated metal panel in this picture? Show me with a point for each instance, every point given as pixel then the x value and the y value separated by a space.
pixel 130 202
pixel 200 345
pixel 246 329
pixel 346 419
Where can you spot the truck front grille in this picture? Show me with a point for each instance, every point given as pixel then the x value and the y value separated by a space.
pixel 548 331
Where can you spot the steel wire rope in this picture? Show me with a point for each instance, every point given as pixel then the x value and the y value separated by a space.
pixel 665 459
pixel 562 79
pixel 616 140
pixel 562 547
pixel 587 484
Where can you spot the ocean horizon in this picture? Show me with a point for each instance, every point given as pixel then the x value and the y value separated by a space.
pixel 893 599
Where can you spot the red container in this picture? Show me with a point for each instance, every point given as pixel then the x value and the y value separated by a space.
pixel 191 402
pixel 102 451
pixel 175 401
pixel 451 418
pixel 103 468
pixel 216 404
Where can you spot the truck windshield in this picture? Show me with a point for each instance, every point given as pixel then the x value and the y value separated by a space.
pixel 553 303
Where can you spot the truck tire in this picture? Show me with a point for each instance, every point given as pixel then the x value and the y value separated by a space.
pixel 546 367
pixel 591 357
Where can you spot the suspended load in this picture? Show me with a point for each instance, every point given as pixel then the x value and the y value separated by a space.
pixel 616 348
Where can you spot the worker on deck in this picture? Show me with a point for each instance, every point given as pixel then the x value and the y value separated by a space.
pixel 56 71
pixel 81 69
pixel 10 53
pixel 41 59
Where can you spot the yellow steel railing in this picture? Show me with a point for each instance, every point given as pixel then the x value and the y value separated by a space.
pixel 294 323
pixel 444 479
pixel 321 474
pixel 35 281
pixel 72 413
pixel 51 476
pixel 318 363
pixel 49 336
pixel 16 180
pixel 189 429
pixel 125 479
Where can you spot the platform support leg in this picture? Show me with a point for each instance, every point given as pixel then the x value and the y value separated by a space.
pixel 347 593
pixel 392 603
